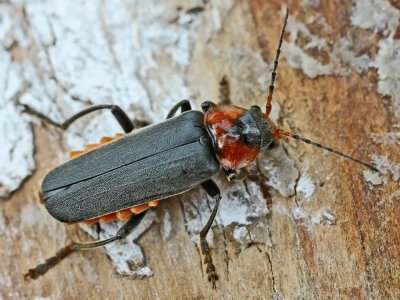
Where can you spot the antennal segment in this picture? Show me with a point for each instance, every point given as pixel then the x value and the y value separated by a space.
pixel 273 75
pixel 280 132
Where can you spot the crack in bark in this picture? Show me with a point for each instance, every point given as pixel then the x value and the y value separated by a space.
pixel 295 191
pixel 276 294
pixel 200 259
pixel 108 37
pixel 182 209
pixel 185 220
pixel 197 247
pixel 28 29
pixel 146 89
pixel 55 77
pixel 264 188
pixel 32 112
pixel 29 32
pixel 368 268
pixel 246 187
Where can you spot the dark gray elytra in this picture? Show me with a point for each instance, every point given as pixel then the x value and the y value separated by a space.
pixel 155 162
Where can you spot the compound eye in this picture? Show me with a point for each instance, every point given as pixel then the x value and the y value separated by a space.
pixel 271 145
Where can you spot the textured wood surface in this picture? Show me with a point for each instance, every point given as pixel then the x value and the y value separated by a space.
pixel 314 226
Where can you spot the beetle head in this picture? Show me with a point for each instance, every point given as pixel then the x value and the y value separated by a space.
pixel 238 134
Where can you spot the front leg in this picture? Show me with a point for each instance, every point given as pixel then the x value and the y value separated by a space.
pixel 212 190
pixel 238 175
pixel 184 105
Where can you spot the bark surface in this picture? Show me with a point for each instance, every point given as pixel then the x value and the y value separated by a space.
pixel 305 224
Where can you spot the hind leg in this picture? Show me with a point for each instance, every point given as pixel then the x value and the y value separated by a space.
pixel 117 112
pixel 51 262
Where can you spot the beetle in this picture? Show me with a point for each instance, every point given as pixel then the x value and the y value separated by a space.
pixel 122 177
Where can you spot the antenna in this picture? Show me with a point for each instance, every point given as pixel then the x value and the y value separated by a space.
pixel 280 132
pixel 273 75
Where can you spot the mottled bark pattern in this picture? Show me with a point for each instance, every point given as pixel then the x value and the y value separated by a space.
pixel 304 224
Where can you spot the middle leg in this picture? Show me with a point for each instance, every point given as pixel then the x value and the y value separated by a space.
pixel 212 190
pixel 184 105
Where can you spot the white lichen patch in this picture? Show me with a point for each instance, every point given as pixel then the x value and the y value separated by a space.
pixel 387 63
pixel 395 196
pixel 299 214
pixel 375 15
pixel 305 186
pixel 126 256
pixel 128 259
pixel 233 209
pixel 324 216
pixel 386 167
pixel 381 16
pixel 280 171
pixel 166 227
pixel 241 202
pixel 296 56
pixel 308 219
pixel 374 178
pixel 342 59
pixel 18 148
pixel 240 232
pixel 16 152
pixel 387 170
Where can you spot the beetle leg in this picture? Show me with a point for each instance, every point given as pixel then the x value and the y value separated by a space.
pixel 122 233
pixel 239 175
pixel 118 113
pixel 184 105
pixel 206 105
pixel 212 190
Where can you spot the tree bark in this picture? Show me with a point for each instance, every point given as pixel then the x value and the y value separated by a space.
pixel 305 224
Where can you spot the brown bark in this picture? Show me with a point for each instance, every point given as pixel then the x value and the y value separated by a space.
pixel 342 242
